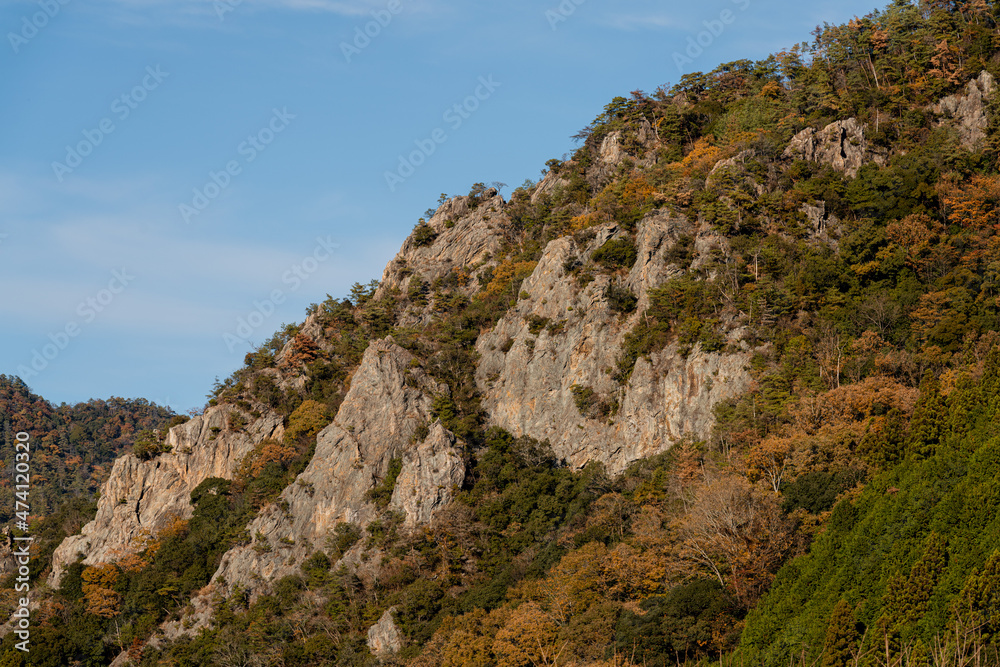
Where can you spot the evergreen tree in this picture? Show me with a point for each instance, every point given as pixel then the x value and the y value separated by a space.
pixel 979 602
pixel 929 418
pixel 841 636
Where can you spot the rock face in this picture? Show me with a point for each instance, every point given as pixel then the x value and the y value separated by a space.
pixel 967 113
pixel 142 497
pixel 841 145
pixel 377 422
pixel 465 239
pixel 548 186
pixel 824 226
pixel 616 148
pixel 527 379
pixel 384 637
pixel 430 472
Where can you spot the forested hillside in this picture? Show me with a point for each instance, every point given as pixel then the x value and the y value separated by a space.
pixel 804 248
pixel 74 445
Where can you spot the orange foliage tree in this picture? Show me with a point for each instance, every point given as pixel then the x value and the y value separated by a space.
pixel 738 532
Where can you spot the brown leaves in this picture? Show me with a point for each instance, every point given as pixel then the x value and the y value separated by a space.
pixel 738 532
pixel 268 451
pixel 528 638
pixel 98 590
pixel 572 586
pixel 947 61
pixel 769 460
pixel 973 204
pixel 304 351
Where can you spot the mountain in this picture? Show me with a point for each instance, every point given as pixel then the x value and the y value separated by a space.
pixel 74 445
pixel 720 387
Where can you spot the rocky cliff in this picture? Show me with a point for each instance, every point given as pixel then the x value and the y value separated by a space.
pixel 842 145
pixel 379 420
pixel 463 235
pixel 563 335
pixel 142 497
pixel 385 419
pixel 967 112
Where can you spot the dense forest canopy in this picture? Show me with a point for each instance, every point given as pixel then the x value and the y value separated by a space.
pixel 74 445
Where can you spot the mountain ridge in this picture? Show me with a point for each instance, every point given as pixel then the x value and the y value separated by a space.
pixel 604 416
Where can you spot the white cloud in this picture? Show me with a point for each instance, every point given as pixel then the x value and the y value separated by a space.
pixel 340 7
pixel 60 250
pixel 655 21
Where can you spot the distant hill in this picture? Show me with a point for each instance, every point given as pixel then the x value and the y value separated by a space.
pixel 73 445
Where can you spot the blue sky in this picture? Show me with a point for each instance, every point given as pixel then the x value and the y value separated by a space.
pixel 170 167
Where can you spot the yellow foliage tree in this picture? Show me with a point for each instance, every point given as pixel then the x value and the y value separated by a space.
pixel 571 586
pixel 528 638
pixel 307 420
pixel 635 574
pixel 505 274
pixel 464 640
pixel 98 590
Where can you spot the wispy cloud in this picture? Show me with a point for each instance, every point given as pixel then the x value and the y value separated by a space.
pixel 62 247
pixel 341 7
pixel 652 21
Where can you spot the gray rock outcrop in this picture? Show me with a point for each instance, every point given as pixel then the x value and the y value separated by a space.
pixel 465 239
pixel 390 397
pixel 142 497
pixel 548 186
pixel 824 226
pixel 528 379
pixel 967 112
pixel 431 471
pixel 639 147
pixel 384 638
pixel 842 145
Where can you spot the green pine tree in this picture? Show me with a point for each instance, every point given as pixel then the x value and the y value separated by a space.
pixel 979 602
pixel 841 636
pixel 929 418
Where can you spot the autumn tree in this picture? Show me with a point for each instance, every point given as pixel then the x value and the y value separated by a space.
pixel 572 585
pixel 307 420
pixel 973 203
pixel 529 638
pixel 738 532
pixel 101 599
pixel 769 459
